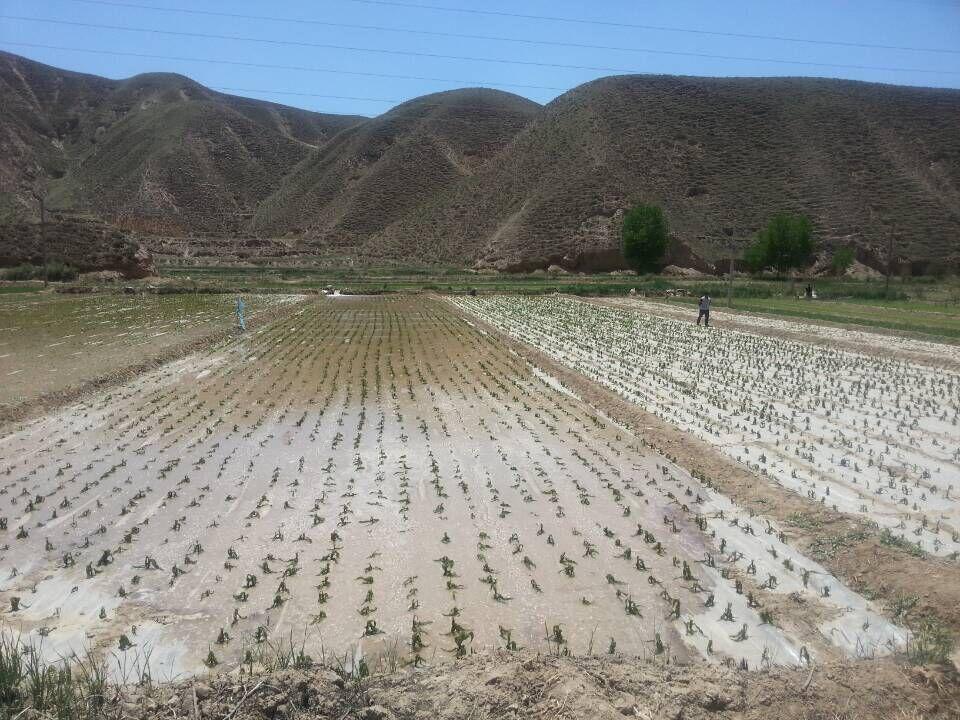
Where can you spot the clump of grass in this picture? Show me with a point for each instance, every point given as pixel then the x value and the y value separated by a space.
pixel 74 688
pixel 901 543
pixel 931 644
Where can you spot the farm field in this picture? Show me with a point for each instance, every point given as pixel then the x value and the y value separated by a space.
pixel 862 434
pixel 890 345
pixel 915 317
pixel 50 343
pixel 381 477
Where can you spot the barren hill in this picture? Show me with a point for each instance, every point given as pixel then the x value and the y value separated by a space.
pixel 486 177
pixel 375 173
pixel 155 152
pixel 721 155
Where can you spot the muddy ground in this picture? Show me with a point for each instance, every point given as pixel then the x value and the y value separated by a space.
pixel 384 478
pixel 54 349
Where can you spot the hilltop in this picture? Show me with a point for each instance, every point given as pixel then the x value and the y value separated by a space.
pixel 721 156
pixel 158 152
pixel 376 172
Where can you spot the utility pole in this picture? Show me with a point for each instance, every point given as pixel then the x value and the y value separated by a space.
pixel 43 240
pixel 730 285
pixel 38 194
pixel 886 292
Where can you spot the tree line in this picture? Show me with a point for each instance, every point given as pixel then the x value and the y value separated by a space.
pixel 786 243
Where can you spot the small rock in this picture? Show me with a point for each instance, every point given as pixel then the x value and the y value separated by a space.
pixel 376 712
pixel 716 701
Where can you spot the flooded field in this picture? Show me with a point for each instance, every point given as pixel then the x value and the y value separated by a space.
pixel 382 477
pixel 869 435
pixel 51 343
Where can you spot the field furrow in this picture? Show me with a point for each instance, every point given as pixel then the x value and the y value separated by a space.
pixel 379 478
pixel 869 435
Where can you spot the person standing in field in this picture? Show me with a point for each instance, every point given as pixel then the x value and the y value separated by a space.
pixel 704 310
pixel 241 322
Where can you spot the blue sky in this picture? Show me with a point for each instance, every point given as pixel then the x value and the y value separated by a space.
pixel 354 83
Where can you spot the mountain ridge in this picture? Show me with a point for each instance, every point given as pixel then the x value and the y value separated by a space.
pixel 482 177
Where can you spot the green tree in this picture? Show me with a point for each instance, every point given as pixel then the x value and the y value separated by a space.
pixel 644 237
pixel 756 254
pixel 842 259
pixel 786 242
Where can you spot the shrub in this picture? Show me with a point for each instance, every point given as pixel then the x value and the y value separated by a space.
pixel 842 259
pixel 55 271
pixel 644 237
pixel 931 644
pixel 20 272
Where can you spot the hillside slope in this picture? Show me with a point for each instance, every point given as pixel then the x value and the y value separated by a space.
pixel 484 177
pixel 375 173
pixel 721 156
pixel 156 152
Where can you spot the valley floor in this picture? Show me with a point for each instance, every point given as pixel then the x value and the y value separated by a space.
pixel 387 482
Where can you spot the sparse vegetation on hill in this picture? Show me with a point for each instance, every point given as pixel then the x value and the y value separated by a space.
pixel 158 153
pixel 480 176
pixel 378 171
pixel 720 156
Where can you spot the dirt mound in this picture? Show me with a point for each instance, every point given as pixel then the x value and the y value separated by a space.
pixel 524 685
pixel 675 271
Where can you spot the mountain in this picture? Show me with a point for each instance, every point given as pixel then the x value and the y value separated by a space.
pixel 157 152
pixel 487 178
pixel 864 161
pixel 377 172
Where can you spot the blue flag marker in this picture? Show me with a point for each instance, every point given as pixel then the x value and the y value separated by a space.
pixel 241 323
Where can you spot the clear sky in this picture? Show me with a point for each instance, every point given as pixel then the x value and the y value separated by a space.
pixel 311 37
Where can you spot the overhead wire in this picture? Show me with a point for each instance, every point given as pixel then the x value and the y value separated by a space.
pixel 496 38
pixel 496 60
pixel 273 66
pixel 642 26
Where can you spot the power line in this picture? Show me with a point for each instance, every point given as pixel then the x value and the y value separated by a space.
pixel 269 66
pixel 301 94
pixel 661 28
pixel 500 61
pixel 420 104
pixel 470 36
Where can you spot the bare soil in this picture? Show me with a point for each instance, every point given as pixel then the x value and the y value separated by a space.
pixel 526 685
